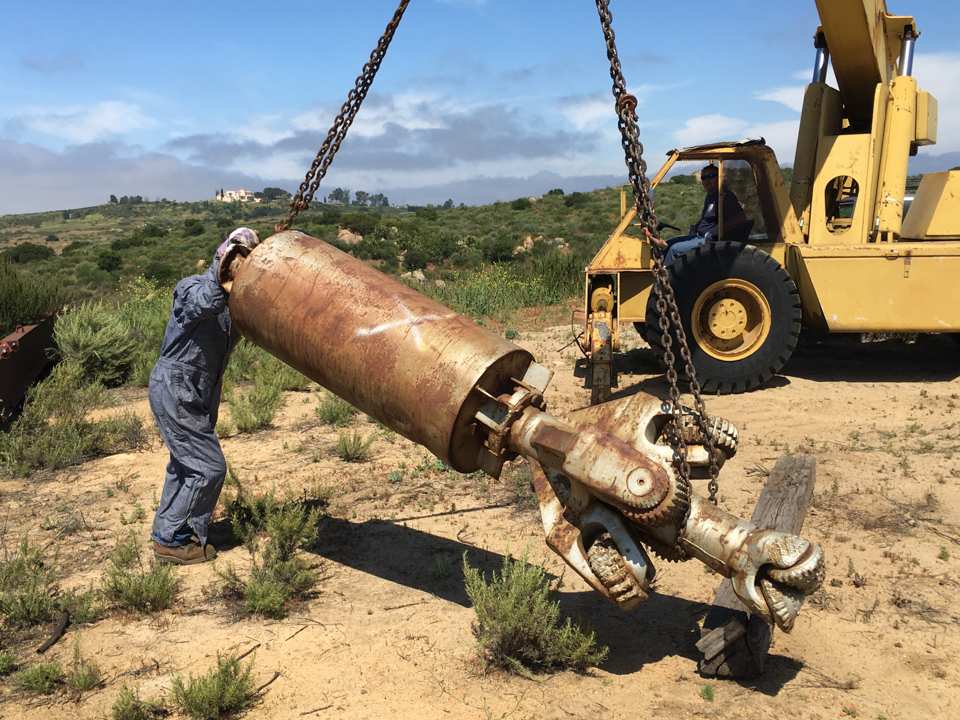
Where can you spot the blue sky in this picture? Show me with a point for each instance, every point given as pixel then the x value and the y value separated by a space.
pixel 476 99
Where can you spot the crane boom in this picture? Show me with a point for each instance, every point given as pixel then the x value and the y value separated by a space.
pixel 865 43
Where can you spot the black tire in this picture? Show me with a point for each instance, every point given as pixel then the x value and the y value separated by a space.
pixel 696 271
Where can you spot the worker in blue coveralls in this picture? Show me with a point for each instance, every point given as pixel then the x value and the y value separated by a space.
pixel 185 399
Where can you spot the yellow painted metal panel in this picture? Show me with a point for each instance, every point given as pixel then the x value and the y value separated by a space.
pixel 899 132
pixel 935 212
pixel 621 251
pixel 891 287
pixel 634 291
pixel 927 119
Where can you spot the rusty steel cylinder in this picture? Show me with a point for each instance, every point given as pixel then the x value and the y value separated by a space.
pixel 390 351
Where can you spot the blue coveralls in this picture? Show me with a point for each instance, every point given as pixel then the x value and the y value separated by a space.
pixel 705 229
pixel 185 387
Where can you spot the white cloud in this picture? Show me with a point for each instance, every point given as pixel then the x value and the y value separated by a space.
pixel 589 111
pixel 702 129
pixel 83 124
pixel 789 95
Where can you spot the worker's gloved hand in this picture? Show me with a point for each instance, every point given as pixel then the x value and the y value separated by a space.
pixel 239 242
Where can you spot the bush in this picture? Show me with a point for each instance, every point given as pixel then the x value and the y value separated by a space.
pixel 109 261
pixel 498 248
pixel 52 237
pixel 335 411
pixel 73 247
pixel 28 591
pixel 27 253
pixel 145 313
pixel 360 223
pixel 129 706
pixel 277 575
pixel 517 625
pixel 225 690
pixel 23 301
pixel 353 447
pixel 95 337
pixel 254 408
pixel 129 583
pixel 8 663
pixel 576 200
pixel 192 227
pixel 521 204
pixel 39 679
pixel 83 675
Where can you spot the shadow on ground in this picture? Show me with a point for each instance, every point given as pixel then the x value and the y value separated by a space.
pixel 663 626
pixel 843 358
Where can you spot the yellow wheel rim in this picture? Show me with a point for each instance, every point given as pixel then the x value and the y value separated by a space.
pixel 731 319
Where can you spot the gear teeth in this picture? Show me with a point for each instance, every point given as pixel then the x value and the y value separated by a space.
pixel 608 565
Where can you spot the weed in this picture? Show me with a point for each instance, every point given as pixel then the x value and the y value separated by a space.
pixel 224 690
pixel 137 514
pixel 83 675
pixel 707 693
pixel 53 431
pixel 255 408
pixel 353 447
pixel 39 679
pixel 395 477
pixel 8 663
pixel 334 411
pixel 94 337
pixel 129 706
pixel 24 300
pixel 511 334
pixel 517 625
pixel 276 575
pixel 26 587
pixel 130 584
pixel 944 554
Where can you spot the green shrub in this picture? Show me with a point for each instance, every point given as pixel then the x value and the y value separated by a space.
pixel 24 300
pixel 517 626
pixel 335 411
pixel 192 227
pixel 29 594
pixel 27 253
pixel 255 407
pixel 353 447
pixel 360 223
pixel 8 663
pixel 53 430
pixel 272 532
pixel 39 679
pixel 131 584
pixel 109 261
pixel 145 312
pixel 51 237
pixel 129 706
pixel 94 336
pixel 82 675
pixel 521 204
pixel 225 690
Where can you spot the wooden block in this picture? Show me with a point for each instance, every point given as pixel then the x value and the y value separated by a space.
pixel 734 644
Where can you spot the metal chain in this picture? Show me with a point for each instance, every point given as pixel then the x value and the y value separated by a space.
pixel 343 121
pixel 666 302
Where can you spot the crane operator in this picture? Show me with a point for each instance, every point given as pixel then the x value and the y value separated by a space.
pixel 735 221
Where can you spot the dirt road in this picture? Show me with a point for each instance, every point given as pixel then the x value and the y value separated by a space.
pixel 388 634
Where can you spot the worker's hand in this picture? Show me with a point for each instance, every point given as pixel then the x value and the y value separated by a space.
pixel 658 241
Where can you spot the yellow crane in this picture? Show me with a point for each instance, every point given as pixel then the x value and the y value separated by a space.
pixel 834 252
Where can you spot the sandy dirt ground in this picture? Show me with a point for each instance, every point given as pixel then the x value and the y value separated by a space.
pixel 388 633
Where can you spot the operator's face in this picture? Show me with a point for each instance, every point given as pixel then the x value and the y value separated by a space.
pixel 709 181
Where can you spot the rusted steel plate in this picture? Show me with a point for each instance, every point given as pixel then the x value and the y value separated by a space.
pixel 24 357
pixel 392 352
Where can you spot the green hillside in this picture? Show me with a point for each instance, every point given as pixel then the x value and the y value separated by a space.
pixel 88 252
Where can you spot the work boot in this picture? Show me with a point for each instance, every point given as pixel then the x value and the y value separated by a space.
pixel 189 554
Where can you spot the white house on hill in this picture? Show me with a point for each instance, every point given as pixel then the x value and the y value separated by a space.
pixel 236 196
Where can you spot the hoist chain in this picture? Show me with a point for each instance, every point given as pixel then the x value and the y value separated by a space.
pixel 669 315
pixel 338 131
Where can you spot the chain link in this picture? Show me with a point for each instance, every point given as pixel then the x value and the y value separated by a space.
pixel 666 302
pixel 343 121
